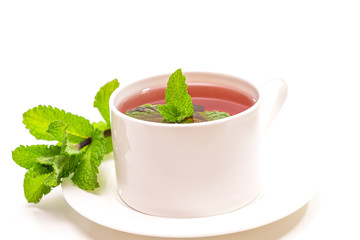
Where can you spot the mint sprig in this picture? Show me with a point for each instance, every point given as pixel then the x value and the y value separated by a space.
pixel 178 101
pixel 80 147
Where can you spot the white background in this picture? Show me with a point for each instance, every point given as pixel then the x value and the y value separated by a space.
pixel 60 52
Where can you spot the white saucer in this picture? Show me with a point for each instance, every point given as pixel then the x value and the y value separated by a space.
pixel 288 186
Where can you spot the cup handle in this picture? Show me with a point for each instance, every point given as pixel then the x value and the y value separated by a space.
pixel 275 93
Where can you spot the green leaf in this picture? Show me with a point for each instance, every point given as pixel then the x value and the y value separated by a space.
pixel 102 99
pixel 25 156
pixel 212 115
pixel 46 165
pixel 70 149
pixel 146 112
pixel 178 101
pixel 150 113
pixel 70 166
pixel 100 125
pixel 34 187
pixel 38 119
pixel 108 140
pixel 85 176
pixel 57 130
pixel 61 166
pixel 108 145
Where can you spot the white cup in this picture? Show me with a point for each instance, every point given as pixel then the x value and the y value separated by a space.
pixel 196 169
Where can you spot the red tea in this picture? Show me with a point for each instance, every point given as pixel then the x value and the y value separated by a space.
pixel 211 97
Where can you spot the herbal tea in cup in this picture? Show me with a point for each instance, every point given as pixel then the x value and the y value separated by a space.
pixel 211 102
pixel 187 145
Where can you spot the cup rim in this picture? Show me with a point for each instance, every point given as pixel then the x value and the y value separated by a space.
pixel 253 108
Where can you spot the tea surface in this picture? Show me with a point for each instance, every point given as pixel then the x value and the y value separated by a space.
pixel 205 97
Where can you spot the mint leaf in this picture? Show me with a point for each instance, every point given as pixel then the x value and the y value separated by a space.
pixel 178 101
pixel 46 166
pixel 100 125
pixel 85 176
pixel 34 187
pixel 38 119
pixel 212 115
pixel 60 165
pixel 25 156
pixel 150 113
pixel 69 149
pixel 102 99
pixel 108 140
pixel 102 104
pixel 57 130
pixel 53 179
pixel 146 112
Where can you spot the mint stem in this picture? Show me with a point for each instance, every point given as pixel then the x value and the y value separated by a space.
pixel 107 133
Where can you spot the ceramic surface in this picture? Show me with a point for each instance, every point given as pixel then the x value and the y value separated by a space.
pixel 191 170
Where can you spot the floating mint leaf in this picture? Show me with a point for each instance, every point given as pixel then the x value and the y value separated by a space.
pixel 178 101
pixel 146 112
pixel 211 115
